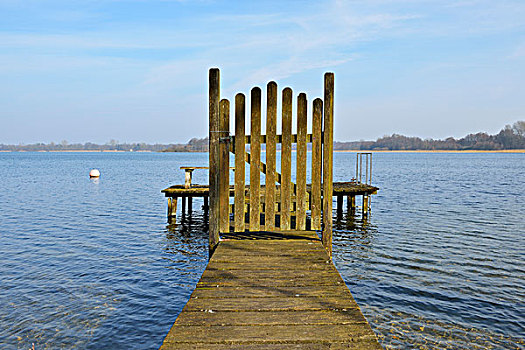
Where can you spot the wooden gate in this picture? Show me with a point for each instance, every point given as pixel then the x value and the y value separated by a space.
pixel 282 203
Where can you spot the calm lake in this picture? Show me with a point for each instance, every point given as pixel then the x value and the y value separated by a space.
pixel 93 264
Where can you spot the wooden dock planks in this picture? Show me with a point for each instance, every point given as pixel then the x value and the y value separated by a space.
pixel 271 294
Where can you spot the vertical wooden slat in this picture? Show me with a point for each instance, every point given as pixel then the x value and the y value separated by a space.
pixel 255 152
pixel 271 125
pixel 224 164
pixel 328 160
pixel 300 222
pixel 213 113
pixel 239 196
pixel 286 158
pixel 317 165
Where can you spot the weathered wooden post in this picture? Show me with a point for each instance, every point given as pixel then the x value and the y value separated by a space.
pixel 213 113
pixel 224 166
pixel 240 150
pixel 172 208
pixel 286 159
pixel 350 203
pixel 271 131
pixel 365 205
pixel 187 178
pixel 300 216
pixel 328 142
pixel 317 167
pixel 255 157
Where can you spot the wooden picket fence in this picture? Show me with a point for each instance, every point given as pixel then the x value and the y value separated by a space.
pixel 274 206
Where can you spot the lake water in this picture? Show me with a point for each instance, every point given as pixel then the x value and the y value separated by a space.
pixel 440 262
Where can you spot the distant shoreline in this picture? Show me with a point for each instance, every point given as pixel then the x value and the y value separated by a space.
pixel 436 151
pixel 79 150
pixel 336 151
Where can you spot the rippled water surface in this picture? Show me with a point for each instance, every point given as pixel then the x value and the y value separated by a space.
pixel 93 263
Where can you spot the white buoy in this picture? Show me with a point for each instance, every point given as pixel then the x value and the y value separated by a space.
pixel 94 173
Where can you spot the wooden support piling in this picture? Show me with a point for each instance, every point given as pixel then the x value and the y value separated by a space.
pixel 172 207
pixel 350 202
pixel 286 156
pixel 339 206
pixel 365 205
pixel 328 142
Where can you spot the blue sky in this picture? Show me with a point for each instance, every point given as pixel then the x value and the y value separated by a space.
pixel 136 70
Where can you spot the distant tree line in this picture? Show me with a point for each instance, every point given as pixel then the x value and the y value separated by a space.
pixel 510 137
pixel 193 145
pixel 112 145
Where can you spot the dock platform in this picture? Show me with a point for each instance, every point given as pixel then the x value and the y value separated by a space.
pixel 271 290
pixel 341 190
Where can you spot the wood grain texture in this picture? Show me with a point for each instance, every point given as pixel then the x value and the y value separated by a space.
pixel 286 159
pixel 271 126
pixel 240 151
pixel 213 114
pixel 224 165
pixel 317 165
pixel 255 161
pixel 300 221
pixel 339 188
pixel 328 145
pixel 261 305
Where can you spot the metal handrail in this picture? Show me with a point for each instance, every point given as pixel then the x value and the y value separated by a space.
pixel 359 168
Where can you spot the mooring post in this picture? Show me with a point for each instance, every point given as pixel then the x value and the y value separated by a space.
pixel 213 113
pixel 328 160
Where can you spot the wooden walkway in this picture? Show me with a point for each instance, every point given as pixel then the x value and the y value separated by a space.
pixel 271 291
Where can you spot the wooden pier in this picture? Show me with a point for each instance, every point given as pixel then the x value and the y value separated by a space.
pixel 341 190
pixel 270 282
pixel 280 291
